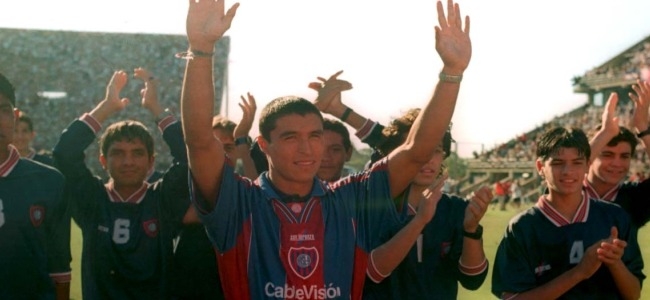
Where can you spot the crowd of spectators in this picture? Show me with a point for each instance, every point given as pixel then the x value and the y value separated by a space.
pixel 59 75
pixel 629 66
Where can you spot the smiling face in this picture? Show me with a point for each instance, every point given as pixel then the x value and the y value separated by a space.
pixel 23 136
pixel 334 157
pixel 295 151
pixel 127 162
pixel 611 166
pixel 563 171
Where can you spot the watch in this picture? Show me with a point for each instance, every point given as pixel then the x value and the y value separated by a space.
pixel 643 133
pixel 243 140
pixel 476 235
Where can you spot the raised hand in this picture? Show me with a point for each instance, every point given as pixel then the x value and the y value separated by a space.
pixel 611 250
pixel 641 99
pixel 248 107
pixel 329 94
pixel 452 41
pixel 609 118
pixel 478 204
pixel 207 22
pixel 113 89
pixel 430 197
pixel 149 93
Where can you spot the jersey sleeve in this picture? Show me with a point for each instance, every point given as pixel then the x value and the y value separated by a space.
pixel 470 277
pixel 632 255
pixel 69 158
pixel 174 184
pixel 636 201
pixel 511 272
pixel 225 222
pixel 58 233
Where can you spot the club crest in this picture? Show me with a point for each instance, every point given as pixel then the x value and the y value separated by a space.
pixel 303 261
pixel 36 215
pixel 445 247
pixel 151 227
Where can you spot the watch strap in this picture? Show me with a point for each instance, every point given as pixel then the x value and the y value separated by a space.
pixel 243 140
pixel 476 235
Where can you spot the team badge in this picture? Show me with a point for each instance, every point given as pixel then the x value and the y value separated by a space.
pixel 36 215
pixel 151 227
pixel 303 261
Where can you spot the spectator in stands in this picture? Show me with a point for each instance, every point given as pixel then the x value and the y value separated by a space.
pixel 261 219
pixel 23 138
pixel 127 224
pixel 34 227
pixel 568 246
pixel 501 193
pixel 516 194
pixel 454 236
pixel 613 147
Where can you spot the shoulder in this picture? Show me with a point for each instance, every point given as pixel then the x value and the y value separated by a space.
pixel 524 220
pixel 30 167
pixel 607 207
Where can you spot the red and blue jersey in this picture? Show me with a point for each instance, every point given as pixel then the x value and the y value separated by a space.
pixel 432 268
pixel 34 230
pixel 540 245
pixel 315 249
pixel 127 243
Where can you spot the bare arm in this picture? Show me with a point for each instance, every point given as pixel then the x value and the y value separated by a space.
pixel 454 47
pixel 640 121
pixel 473 254
pixel 206 23
pixel 243 129
pixel 62 290
pixel 609 127
pixel 610 254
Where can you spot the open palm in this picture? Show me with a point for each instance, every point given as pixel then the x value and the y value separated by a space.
pixel 207 21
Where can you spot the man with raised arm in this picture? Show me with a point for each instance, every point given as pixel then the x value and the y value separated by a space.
pixel 288 234
pixel 613 148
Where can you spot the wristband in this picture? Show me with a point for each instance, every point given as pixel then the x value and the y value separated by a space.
pixel 243 140
pixel 450 78
pixel 346 114
pixel 476 235
pixel 643 133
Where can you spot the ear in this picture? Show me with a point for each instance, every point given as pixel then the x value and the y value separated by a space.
pixel 348 155
pixel 102 161
pixel 539 165
pixel 264 144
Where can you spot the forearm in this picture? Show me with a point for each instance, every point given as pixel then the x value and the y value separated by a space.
pixel 598 143
pixel 62 290
pixel 628 285
pixel 244 153
pixel 554 288
pixel 389 255
pixel 472 259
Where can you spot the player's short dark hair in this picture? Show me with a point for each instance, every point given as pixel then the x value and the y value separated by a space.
pixel 339 128
pixel 22 117
pixel 396 132
pixel 550 142
pixel 126 131
pixel 220 122
pixel 7 90
pixel 624 136
pixel 283 106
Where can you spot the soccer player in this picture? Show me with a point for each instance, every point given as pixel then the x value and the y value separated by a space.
pixel 127 224
pixel 568 246
pixel 23 138
pixel 34 228
pixel 450 249
pixel 612 149
pixel 287 234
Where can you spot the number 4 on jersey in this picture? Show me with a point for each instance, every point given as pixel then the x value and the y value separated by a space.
pixel 577 250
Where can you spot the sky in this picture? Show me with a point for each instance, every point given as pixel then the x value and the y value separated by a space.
pixel 525 53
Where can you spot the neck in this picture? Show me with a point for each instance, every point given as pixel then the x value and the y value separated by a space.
pixel 565 204
pixel 415 194
pixel 4 153
pixel 25 152
pixel 290 187
pixel 126 191
pixel 600 186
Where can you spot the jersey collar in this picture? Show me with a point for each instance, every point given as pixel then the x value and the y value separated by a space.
pixel 558 219
pixel 608 196
pixel 318 188
pixel 8 165
pixel 134 198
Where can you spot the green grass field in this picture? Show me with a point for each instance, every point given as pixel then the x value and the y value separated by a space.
pixel 494 223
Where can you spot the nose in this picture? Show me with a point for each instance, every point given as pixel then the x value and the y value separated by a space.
pixel 304 146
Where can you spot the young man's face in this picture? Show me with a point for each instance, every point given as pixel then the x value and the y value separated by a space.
pixel 564 171
pixel 127 162
pixel 226 139
pixel 23 136
pixel 334 157
pixel 430 171
pixel 296 148
pixel 612 165
pixel 7 122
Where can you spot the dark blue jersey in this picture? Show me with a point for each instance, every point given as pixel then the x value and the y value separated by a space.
pixel 633 197
pixel 127 243
pixel 317 248
pixel 432 269
pixel 34 230
pixel 43 157
pixel 539 245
